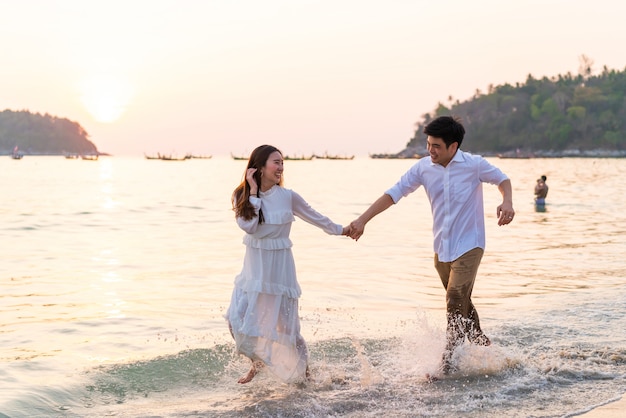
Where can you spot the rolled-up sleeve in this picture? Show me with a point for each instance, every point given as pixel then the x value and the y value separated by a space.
pixel 408 183
pixel 490 173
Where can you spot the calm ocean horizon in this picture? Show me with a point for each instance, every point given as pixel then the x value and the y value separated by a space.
pixel 116 274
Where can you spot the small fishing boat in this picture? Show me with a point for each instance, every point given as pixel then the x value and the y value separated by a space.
pixel 326 156
pixel 296 158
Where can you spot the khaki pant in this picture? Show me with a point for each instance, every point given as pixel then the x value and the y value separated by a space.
pixel 458 279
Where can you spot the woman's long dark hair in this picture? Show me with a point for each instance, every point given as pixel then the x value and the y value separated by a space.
pixel 241 205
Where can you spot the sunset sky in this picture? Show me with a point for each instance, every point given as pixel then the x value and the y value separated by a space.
pixel 342 76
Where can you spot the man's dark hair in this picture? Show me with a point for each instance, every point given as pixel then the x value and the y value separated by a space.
pixel 447 128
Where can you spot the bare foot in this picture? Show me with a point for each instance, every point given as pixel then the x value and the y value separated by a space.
pixel 251 373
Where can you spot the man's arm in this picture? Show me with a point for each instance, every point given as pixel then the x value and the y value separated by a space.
pixel 505 211
pixel 357 227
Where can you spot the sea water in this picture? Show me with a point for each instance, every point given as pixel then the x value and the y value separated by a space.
pixel 116 273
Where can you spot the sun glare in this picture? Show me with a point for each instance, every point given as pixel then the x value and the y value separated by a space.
pixel 105 97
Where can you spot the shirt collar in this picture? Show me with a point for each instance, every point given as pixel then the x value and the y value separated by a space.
pixel 458 157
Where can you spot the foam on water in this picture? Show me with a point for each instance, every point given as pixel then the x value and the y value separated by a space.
pixel 353 377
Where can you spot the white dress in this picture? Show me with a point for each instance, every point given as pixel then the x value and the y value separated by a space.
pixel 263 312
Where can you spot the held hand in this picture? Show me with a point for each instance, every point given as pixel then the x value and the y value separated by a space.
pixel 356 229
pixel 505 214
pixel 346 231
pixel 250 178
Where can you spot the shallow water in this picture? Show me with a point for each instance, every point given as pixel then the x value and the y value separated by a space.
pixel 116 274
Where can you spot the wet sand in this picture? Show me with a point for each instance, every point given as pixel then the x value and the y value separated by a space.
pixel 615 409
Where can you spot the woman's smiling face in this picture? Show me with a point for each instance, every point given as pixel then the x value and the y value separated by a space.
pixel 272 171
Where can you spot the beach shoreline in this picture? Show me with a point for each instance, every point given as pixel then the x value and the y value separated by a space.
pixel 612 409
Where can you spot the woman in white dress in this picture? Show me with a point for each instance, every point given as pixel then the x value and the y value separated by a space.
pixel 263 312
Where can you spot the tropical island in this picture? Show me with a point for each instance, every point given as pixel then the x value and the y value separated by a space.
pixel 581 115
pixel 567 115
pixel 37 134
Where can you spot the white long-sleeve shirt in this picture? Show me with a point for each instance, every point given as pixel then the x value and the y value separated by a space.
pixel 456 197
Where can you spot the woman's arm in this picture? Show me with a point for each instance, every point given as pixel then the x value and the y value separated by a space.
pixel 304 211
pixel 251 225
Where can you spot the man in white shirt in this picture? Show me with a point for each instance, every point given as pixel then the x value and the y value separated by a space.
pixel 453 181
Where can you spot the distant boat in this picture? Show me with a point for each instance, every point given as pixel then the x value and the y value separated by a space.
pixel 200 157
pixel 395 156
pixel 295 158
pixel 169 157
pixel 90 157
pixel 72 156
pixel 326 156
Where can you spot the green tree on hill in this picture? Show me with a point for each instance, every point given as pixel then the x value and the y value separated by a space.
pixel 566 112
pixel 34 133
